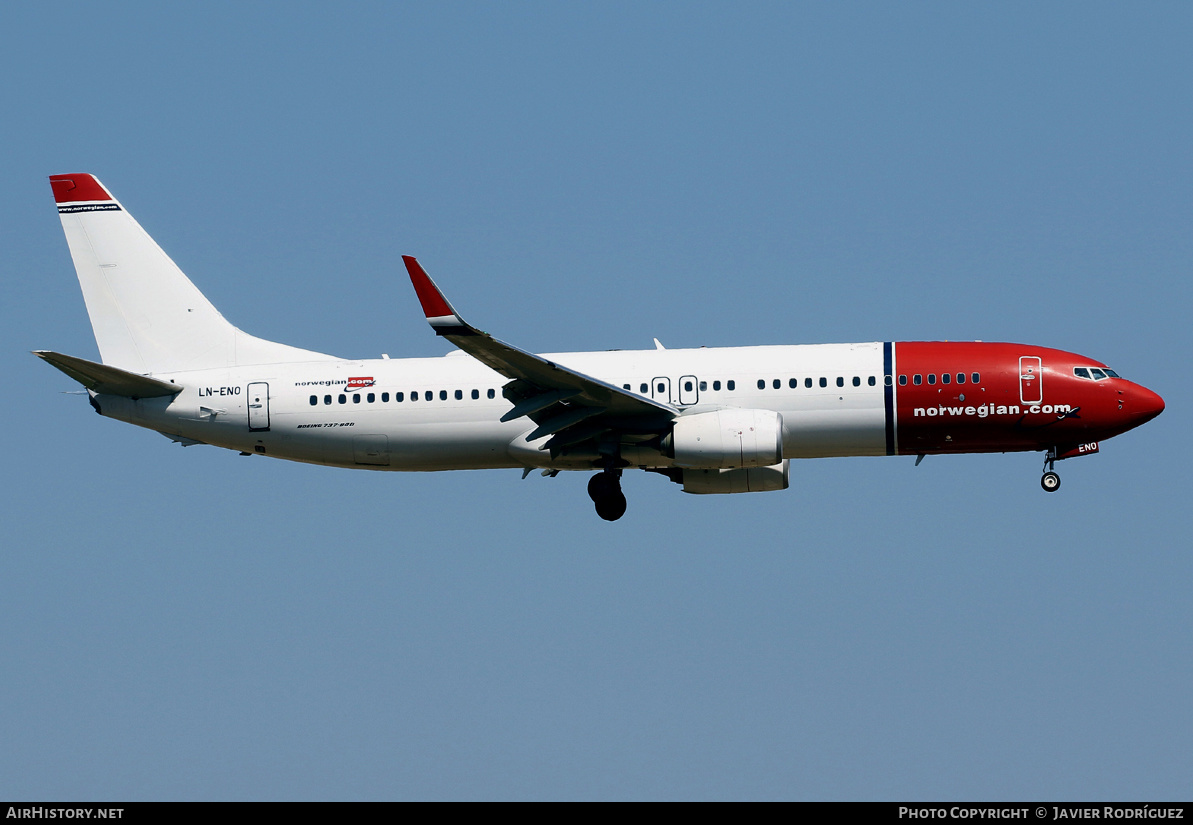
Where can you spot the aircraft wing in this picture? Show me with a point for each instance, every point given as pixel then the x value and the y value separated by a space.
pixel 571 405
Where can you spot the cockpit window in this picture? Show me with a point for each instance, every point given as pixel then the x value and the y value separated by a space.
pixel 1094 373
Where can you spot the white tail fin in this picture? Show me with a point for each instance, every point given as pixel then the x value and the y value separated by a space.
pixel 147 316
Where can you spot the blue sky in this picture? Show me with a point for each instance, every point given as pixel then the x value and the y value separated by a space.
pixel 190 624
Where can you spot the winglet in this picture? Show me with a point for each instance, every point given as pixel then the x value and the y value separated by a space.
pixel 440 315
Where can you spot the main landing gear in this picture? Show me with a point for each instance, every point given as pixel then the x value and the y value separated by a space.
pixel 1050 481
pixel 604 489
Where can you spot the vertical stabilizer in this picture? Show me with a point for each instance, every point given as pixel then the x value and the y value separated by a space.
pixel 146 314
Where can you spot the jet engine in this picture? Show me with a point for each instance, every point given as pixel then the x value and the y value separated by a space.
pixel 741 480
pixel 726 439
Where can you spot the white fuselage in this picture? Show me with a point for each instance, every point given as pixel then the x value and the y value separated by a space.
pixel 439 425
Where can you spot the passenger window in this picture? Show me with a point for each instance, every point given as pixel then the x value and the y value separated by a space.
pixel 327 399
pixel 477 394
pixel 840 381
pixel 414 395
pixel 793 383
pixel 703 386
pixel 343 399
pixel 314 400
pixel 823 381
pixel 777 383
pixel 931 378
pixel 808 383
pixel 644 388
pixel 871 380
pixel 355 398
pixel 946 378
pixel 857 382
pixel 662 388
pixel 902 380
pixel 398 396
pixel 625 386
pixel 960 378
pixel 443 395
pixel 730 385
pixel 459 395
pixel 384 397
pixel 917 379
pixel 716 385
pixel 492 393
pixel 687 386
pixel 975 378
pixel 761 384
pixel 370 398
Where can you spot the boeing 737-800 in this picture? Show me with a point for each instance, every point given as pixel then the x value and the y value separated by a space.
pixel 715 420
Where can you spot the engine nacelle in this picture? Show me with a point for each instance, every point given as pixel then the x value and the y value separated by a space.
pixel 727 439
pixel 742 480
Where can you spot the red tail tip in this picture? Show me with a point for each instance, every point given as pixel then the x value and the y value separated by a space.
pixel 77 187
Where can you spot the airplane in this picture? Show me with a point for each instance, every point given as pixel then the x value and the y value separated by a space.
pixel 714 420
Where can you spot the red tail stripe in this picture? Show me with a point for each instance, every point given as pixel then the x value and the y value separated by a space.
pixel 77 187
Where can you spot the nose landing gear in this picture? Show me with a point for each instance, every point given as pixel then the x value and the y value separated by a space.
pixel 1050 481
pixel 604 489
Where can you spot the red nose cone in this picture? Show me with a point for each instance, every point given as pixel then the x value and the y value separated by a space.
pixel 1144 405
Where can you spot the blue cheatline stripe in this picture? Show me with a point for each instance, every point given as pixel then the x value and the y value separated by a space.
pixel 888 360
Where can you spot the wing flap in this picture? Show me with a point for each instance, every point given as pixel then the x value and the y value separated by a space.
pixel 564 420
pixel 538 403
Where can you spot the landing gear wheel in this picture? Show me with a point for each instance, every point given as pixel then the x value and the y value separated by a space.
pixel 604 489
pixel 1050 482
pixel 611 508
pixel 602 485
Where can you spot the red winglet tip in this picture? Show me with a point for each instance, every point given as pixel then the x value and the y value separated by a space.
pixel 432 300
pixel 77 187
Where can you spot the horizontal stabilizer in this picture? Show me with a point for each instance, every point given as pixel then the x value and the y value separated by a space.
pixel 106 380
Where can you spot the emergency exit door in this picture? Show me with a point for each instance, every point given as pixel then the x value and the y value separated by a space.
pixel 660 389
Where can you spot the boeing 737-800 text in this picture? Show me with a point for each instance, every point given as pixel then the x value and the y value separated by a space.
pixel 716 420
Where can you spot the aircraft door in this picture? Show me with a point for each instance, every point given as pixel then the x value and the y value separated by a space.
pixel 689 390
pixel 1031 389
pixel 258 407
pixel 660 389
